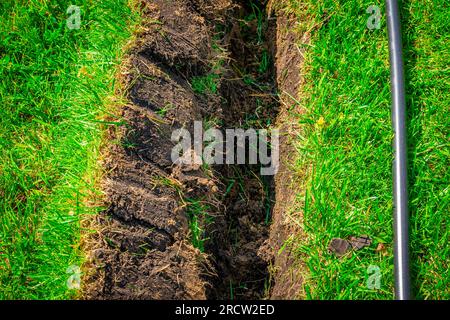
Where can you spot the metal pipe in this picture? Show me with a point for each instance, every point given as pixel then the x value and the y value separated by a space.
pixel 400 174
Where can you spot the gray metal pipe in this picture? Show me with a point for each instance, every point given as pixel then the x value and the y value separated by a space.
pixel 400 174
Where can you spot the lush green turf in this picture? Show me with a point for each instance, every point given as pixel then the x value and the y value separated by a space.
pixel 344 149
pixel 54 89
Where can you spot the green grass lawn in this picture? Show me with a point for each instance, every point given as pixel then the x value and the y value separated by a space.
pixel 54 89
pixel 345 147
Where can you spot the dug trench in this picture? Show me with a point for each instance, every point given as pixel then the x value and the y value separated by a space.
pixel 174 231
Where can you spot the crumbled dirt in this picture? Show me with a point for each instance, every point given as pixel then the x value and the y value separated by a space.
pixel 142 248
pixel 239 245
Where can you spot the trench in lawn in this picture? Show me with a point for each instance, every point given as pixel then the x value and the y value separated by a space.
pixel 188 232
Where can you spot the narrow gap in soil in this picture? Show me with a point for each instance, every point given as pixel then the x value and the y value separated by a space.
pixel 239 234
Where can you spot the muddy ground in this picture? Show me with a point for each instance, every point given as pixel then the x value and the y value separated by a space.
pixel 143 246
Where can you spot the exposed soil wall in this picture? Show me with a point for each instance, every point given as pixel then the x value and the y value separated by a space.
pixel 287 270
pixel 143 246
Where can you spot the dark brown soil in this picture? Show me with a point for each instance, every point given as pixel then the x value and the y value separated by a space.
pixel 142 248
pixel 239 245
pixel 287 268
